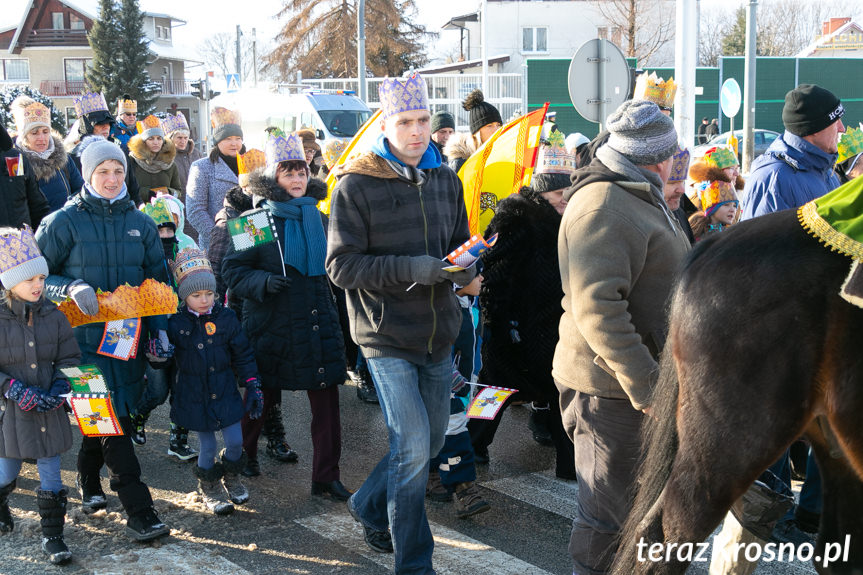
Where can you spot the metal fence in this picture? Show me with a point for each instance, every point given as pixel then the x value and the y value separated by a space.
pixel 446 92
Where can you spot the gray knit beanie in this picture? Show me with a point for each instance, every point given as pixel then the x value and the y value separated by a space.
pixel 96 150
pixel 642 133
pixel 20 258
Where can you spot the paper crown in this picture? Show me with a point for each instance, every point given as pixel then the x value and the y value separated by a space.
pixel 403 96
pixel 332 151
pixel 150 298
pixel 221 116
pixel 850 144
pixel 17 247
pixel 174 122
pixel 279 149
pixel 679 166
pixel 251 161
pixel 150 126
pixel 159 210
pixel 33 115
pixel 125 105
pixel 554 158
pixel 715 193
pixel 655 89
pixel 720 157
pixel 89 103
pixel 190 261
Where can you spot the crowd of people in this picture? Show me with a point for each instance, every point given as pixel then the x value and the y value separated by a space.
pixel 567 307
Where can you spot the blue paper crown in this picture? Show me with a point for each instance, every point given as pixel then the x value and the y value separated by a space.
pixel 279 149
pixel 397 96
pixel 174 122
pixel 679 166
pixel 89 103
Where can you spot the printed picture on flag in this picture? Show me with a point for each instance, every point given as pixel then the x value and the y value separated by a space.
pixel 488 402
pixel 85 379
pixel 252 229
pixel 95 416
pixel 120 339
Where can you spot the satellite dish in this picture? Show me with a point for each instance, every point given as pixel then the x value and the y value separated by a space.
pixel 599 79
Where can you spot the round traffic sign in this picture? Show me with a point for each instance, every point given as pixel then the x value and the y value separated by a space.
pixel 598 79
pixel 730 97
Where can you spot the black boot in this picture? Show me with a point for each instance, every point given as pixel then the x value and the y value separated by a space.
pixel 274 430
pixel 178 443
pixel 92 496
pixel 6 523
pixel 52 509
pixel 237 492
pixel 538 423
pixel 365 386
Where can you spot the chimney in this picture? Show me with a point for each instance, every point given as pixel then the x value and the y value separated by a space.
pixel 832 25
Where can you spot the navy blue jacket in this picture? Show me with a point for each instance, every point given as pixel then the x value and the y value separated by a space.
pixel 209 349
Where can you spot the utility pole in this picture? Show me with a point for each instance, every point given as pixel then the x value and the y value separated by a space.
pixel 484 54
pixel 239 62
pixel 749 87
pixel 361 49
pixel 685 57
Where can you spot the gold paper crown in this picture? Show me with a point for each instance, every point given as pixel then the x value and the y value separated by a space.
pixel 654 89
pixel 220 116
pixel 125 302
pixel 89 103
pixel 251 161
pixel 33 115
pixel 150 126
pixel 332 151
pixel 850 144
pixel 717 192
pixel 127 105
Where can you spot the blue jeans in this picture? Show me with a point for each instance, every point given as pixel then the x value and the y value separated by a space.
pixel 415 400
pixel 810 493
pixel 49 472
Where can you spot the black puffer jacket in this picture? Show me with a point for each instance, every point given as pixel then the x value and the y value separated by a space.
pixel 22 200
pixel 295 333
pixel 521 283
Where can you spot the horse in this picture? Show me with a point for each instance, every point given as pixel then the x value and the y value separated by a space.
pixel 760 344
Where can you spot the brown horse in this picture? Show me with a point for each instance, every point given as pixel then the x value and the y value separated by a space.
pixel 760 344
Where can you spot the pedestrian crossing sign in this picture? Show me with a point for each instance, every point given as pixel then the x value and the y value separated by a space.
pixel 233 82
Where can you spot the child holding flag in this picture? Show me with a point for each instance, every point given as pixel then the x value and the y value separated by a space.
pixel 37 341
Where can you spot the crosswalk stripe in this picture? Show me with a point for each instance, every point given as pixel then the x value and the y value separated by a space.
pixel 182 558
pixel 453 550
pixel 542 490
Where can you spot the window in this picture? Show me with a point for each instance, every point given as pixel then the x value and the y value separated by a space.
pixel 71 116
pixel 76 22
pixel 76 68
pixel 17 70
pixel 57 20
pixel 534 39
pixel 167 30
pixel 612 33
pixel 158 31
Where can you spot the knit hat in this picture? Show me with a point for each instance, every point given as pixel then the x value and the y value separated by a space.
pixel 29 115
pixel 481 112
pixel 149 127
pixel 307 135
pixel 175 123
pixel 20 258
pixel 717 193
pixel 249 162
pixel 641 132
pixel 97 150
pixel 193 272
pixel 679 166
pixel 441 120
pixel 226 123
pixel 403 96
pixel 809 109
pixel 333 150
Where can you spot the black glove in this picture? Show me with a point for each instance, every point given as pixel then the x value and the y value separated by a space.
pixel 276 284
pixel 427 270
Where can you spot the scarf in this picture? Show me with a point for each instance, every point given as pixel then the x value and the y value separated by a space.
pixel 22 144
pixel 231 162
pixel 305 242
pixel 431 158
pixel 95 194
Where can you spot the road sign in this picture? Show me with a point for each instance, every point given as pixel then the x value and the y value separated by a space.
pixel 233 82
pixel 599 79
pixel 730 97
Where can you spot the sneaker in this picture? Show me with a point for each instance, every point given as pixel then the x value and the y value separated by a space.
pixel 91 500
pixel 365 388
pixel 278 449
pixel 145 526
pixel 181 451
pixel 138 434
pixel 786 531
pixel 468 501
pixel 56 550
pixel 435 489
pixel 380 541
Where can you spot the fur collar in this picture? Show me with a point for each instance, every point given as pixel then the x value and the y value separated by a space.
pixel 266 188
pixel 44 170
pixel 459 145
pixel 367 164
pixel 149 161
pixel 189 147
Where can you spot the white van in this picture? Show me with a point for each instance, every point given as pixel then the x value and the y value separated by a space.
pixel 332 114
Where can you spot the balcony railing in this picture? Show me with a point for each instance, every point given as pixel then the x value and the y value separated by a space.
pixel 175 87
pixel 51 37
pixel 61 88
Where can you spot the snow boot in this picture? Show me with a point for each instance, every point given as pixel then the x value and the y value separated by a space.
pixel 211 490
pixel 178 443
pixel 237 492
pixel 6 522
pixel 274 431
pixel 139 431
pixel 52 510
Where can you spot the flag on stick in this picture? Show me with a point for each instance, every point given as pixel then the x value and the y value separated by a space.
pixel 253 229
pixel 91 401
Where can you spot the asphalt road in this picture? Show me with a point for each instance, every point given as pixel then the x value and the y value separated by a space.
pixel 283 529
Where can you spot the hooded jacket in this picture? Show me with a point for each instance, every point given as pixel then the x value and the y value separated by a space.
pixel 620 250
pixel 295 333
pixel 33 352
pixel 790 173
pixel 57 176
pixel 378 220
pixel 154 169
pixel 458 149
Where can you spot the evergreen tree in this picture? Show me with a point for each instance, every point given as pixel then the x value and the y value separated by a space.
pixel 132 59
pixel 104 39
pixel 8 95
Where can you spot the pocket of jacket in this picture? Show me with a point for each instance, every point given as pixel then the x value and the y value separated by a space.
pixel 600 363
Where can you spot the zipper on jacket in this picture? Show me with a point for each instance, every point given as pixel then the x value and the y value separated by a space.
pixel 431 296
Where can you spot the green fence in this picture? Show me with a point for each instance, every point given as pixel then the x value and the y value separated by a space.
pixel 547 82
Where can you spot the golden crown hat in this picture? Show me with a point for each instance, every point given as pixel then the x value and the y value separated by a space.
pixel 33 115
pixel 220 116
pixel 127 105
pixel 159 210
pixel 174 122
pixel 715 193
pixel 279 149
pixel 654 89
pixel 720 157
pixel 850 144
pixel 332 151
pixel 403 95
pixel 554 158
pixel 150 126
pixel 89 103
pixel 251 161
pixel 679 165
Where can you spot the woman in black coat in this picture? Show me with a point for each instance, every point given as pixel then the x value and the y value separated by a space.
pixel 289 312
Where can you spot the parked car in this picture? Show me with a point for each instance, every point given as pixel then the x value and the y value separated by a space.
pixel 763 139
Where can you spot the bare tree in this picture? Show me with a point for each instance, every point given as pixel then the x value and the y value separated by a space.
pixel 714 25
pixel 219 52
pixel 643 25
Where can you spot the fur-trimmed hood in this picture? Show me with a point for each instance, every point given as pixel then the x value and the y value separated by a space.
pixel 236 199
pixel 46 169
pixel 459 145
pixel 189 147
pixel 150 161
pixel 265 188
pixel 366 164
pixel 700 171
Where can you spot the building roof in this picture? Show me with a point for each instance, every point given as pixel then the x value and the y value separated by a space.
pixel 459 66
pixel 848 27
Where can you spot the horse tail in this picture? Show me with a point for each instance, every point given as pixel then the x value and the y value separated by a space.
pixel 659 447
